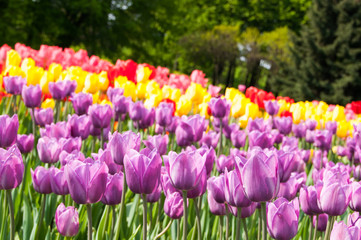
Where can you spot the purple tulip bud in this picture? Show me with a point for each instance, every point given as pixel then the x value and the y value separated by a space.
pixel 120 144
pixel 14 84
pixel 173 205
pixel 334 198
pixel 258 124
pixel 11 168
pixel 173 126
pixel 225 162
pixel 164 114
pixel 260 176
pixel 185 169
pixel 43 116
pixel 310 124
pixel 121 104
pixel 341 231
pixel 216 208
pixel 238 138
pixel 67 220
pixel 79 126
pixel 355 203
pixel 210 139
pixel 100 115
pixel 234 191
pixel 31 96
pixel 290 188
pixel 287 163
pixel 284 124
pixel 8 130
pixel 56 130
pixel 86 181
pixel 282 219
pixel 136 110
pixel 271 107
pixel 81 102
pixel 323 139
pixel 305 155
pixel 199 125
pixel 66 157
pixel 147 120
pixel 25 142
pixel 210 156
pixel 61 89
pixel 49 150
pixel 216 187
pixel 142 170
pixel 322 222
pixel 113 190
pixel 70 144
pixel 155 195
pixel 308 199
pixel 220 107
pixel 299 130
pixel 106 156
pixel 289 144
pixel 277 136
pixel 114 92
pixel 260 139
pixel 41 180
pixel 58 183
pixel 158 142
pixel 310 136
pixel 331 126
pixel 184 134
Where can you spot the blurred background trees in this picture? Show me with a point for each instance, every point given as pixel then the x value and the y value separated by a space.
pixel 307 49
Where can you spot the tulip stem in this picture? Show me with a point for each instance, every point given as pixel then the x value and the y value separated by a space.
pixel 33 122
pixel 164 230
pixel 113 222
pixel 101 138
pixel 259 224
pixel 328 228
pixel 243 221
pixel 315 231
pixel 220 140
pixel 144 197
pixel 40 221
pixel 90 225
pixel 11 208
pixel 120 124
pixel 264 221
pixel 57 113
pixel 220 227
pixel 185 217
pixel 227 223
pixel 122 208
pixel 198 219
pixel 238 223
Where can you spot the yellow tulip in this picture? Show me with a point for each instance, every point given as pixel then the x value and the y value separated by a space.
pixel 33 75
pixel 1 81
pixel 13 58
pixel 321 108
pixel 252 110
pixel 120 81
pixel 104 102
pixel 171 93
pixel 342 129
pixel 14 71
pixel 152 87
pixel 91 84
pixel 284 106
pixel 153 101
pixel 48 103
pixel 195 93
pixel 56 69
pixel 44 81
pixel 95 97
pixel 203 109
pixel 141 90
pixel 231 93
pixel 103 81
pixel 338 114
pixel 184 106
pixel 298 114
pixel 143 74
pixel 27 63
pixel 239 104
pixel 243 121
pixel 130 90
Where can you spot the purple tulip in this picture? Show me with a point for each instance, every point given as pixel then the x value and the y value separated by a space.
pixel 136 110
pixel 233 191
pixel 271 107
pixel 322 222
pixel 81 102
pixel 210 139
pixel 8 130
pixel 113 190
pixel 70 144
pixel 120 144
pixel 319 158
pixel 310 136
pixel 308 199
pixel 220 107
pixel 284 124
pixel 166 183
pixel 186 169
pixel 142 170
pixel 11 168
pixel 164 114
pixel 305 155
pixel 299 130
pixel 287 163
pixel 289 144
pixel 106 156
pixel 216 208
pixel 229 129
pixel 14 84
pixel 354 219
pixel 25 142
pixel 210 156
pixel 260 176
pixel 341 231
pixel 86 181
pixel 310 124
pixel 158 142
pixel 200 188
pixel 277 136
pixel 357 172
pixel 258 124
pixel 67 220
pixel 31 96
pixel 41 180
pixel 61 89
pixel 323 139
pixel 282 219
pixel 355 203
pixel 238 138
pixel 245 212
pixel 100 115
pixel 155 195
pixel 66 157
pixel 173 205
pixel 216 187
pixel 290 188
pixel 114 92
pixel 43 116
pixel 56 130
pixel 331 126
pixel 199 125
pixel 58 183
pixel 147 120
pixel 79 126
pixel 121 104
pixel 260 139
pixel 334 197
pixel 49 150
pixel 225 162
pixel 184 134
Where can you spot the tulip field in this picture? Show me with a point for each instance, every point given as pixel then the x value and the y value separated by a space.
pixel 95 150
